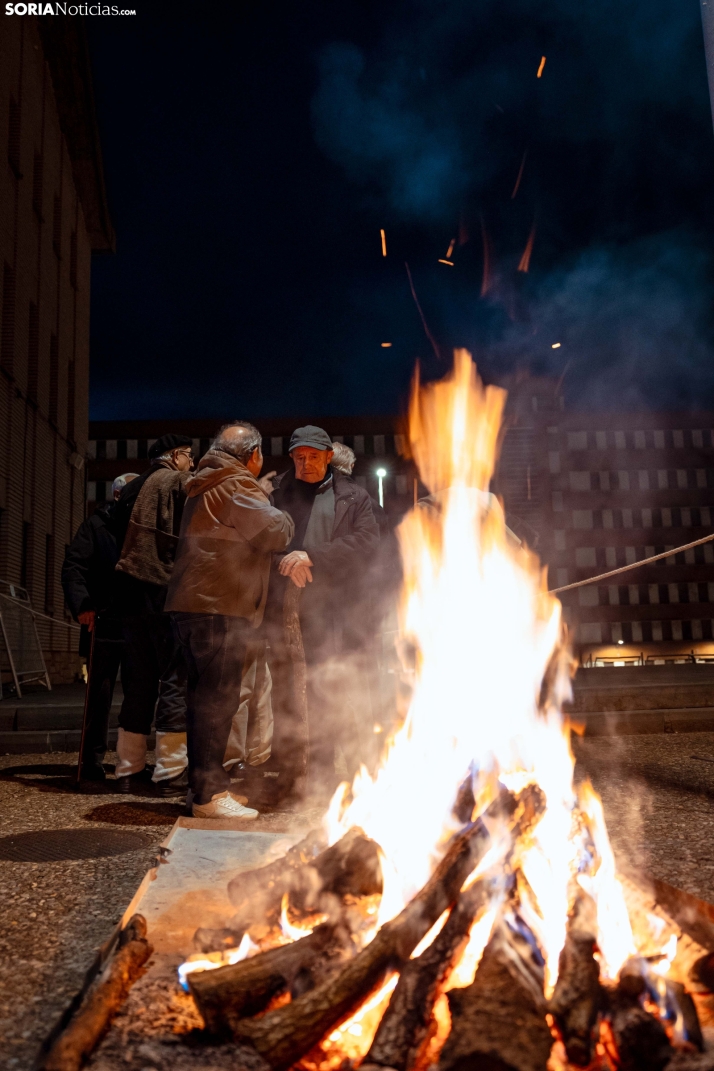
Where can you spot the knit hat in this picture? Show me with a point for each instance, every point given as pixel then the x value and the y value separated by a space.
pixel 167 443
pixel 310 436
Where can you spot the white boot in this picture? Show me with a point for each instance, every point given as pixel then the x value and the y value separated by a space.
pixel 131 753
pixel 223 805
pixel 171 758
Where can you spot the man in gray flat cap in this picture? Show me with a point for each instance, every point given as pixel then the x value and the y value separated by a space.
pixel 335 536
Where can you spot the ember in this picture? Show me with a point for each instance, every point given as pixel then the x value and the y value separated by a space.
pixel 480 923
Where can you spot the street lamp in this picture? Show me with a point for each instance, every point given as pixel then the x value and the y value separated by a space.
pixel 381 473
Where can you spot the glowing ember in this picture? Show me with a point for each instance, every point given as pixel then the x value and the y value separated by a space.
pixel 292 931
pixel 383 236
pixel 541 67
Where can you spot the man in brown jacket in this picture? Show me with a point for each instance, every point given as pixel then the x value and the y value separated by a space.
pixel 217 596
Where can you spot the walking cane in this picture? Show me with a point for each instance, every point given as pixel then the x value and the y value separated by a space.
pixel 90 661
pixel 296 651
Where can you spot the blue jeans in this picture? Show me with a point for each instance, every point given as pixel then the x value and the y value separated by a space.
pixel 214 648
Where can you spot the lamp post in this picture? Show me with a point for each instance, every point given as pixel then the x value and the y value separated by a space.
pixel 381 473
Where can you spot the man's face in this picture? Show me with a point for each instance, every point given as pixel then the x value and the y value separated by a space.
pixel 310 463
pixel 183 459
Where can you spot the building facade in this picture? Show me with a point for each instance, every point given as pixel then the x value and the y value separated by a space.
pixel 53 216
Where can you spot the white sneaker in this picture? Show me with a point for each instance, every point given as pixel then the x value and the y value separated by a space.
pixel 223 805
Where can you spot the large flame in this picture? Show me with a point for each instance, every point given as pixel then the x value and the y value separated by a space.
pixel 486 635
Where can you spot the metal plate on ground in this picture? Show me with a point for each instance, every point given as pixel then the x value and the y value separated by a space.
pixel 53 845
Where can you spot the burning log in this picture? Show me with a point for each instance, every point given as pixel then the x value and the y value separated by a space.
pixel 79 1039
pixel 641 1039
pixel 284 1035
pixel 499 1020
pixel 227 994
pixel 578 995
pixel 350 866
pixel 406 1025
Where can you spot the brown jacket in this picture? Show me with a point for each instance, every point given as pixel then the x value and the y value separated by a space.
pixel 152 534
pixel 228 535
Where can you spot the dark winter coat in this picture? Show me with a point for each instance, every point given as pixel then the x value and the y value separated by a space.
pixel 149 546
pixel 88 574
pixel 331 607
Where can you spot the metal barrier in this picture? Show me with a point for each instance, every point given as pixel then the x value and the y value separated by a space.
pixel 22 660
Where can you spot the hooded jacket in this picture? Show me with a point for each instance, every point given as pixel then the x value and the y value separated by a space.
pixel 149 544
pixel 228 535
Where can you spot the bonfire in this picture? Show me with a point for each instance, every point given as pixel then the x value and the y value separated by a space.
pixel 460 907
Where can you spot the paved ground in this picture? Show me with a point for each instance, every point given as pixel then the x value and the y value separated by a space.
pixel 658 802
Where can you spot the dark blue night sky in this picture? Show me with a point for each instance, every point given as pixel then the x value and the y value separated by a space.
pixel 253 151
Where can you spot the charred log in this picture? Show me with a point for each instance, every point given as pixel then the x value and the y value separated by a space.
pixel 406 1025
pixel 220 940
pixel 499 1022
pixel 641 1039
pixel 84 1031
pixel 227 994
pixel 284 1035
pixel 307 875
pixel 578 996
pixel 687 1008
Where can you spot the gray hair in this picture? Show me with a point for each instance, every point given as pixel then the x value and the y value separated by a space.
pixel 121 481
pixel 343 458
pixel 239 445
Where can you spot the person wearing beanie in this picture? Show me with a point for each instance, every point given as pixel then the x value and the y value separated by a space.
pixel 147 523
pixel 335 537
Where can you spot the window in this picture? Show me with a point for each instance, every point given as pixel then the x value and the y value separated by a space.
pixel 579 481
pixel 13 138
pixel 358 445
pixel 577 440
pixel 678 440
pixel 561 576
pixel 554 461
pixel 73 260
pixel 657 631
pixel 693 592
pixel 619 440
pixel 634 593
pixel 653 592
pixel 379 446
pixel 662 479
pixel 646 518
pixel 54 378
pixel 611 557
pixel 673 592
pixel 676 630
pixel 613 595
pixel 37 185
pixel 624 481
pixel 132 445
pixel 49 574
pixel 607 519
pixel 686 517
pixel 644 479
pixel 658 440
pixel 601 440
pixel 705 516
pixel 26 556
pixel 616 631
pixel 33 350
pixel 582 518
pixel 636 632
pixel 666 517
pixel 630 556
pixel 639 440
pixel 682 479
pixel 590 632
pixel 57 226
pixel 627 518
pixel 696 630
pixel 7 327
pixel 604 481
pixel 585 557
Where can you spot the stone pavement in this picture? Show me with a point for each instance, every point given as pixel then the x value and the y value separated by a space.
pixel 53 915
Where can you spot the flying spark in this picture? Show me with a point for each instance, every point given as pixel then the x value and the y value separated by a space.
pixel 542 65
pixel 555 346
pixel 385 345
pixel 449 262
pixel 384 242
pixel 450 250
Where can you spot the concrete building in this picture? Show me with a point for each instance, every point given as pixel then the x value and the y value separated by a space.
pixel 53 216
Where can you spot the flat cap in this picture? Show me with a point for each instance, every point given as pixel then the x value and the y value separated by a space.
pixel 167 443
pixel 310 436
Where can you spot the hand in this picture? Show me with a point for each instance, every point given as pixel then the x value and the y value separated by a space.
pixel 297 565
pixel 266 482
pixel 87 618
